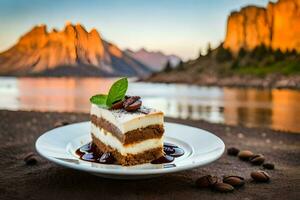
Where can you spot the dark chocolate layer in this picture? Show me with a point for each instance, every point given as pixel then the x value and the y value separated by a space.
pixel 137 135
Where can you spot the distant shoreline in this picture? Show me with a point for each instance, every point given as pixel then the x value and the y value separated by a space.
pixel 269 82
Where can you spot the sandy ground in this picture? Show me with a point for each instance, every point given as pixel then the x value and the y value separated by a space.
pixel 45 180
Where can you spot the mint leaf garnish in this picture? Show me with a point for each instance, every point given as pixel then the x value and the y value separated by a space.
pixel 117 91
pixel 99 99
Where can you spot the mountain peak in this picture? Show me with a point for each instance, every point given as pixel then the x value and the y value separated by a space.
pixel 79 26
pixel 93 31
pixel 154 59
pixel 37 30
pixel 142 50
pixel 39 51
pixel 35 37
pixel 68 23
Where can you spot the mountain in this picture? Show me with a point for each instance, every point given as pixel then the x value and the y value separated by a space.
pixel 277 26
pixel 154 59
pixel 72 51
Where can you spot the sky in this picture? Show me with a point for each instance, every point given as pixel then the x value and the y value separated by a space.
pixel 180 27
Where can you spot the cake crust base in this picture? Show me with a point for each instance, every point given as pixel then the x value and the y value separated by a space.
pixel 129 159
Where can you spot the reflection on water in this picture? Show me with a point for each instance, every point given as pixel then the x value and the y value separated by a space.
pixel 277 109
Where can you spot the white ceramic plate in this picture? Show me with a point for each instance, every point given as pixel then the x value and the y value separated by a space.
pixel 201 147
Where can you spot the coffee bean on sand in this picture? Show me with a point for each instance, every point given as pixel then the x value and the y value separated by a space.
pixel 257 159
pixel 206 181
pixel 245 155
pixel 235 181
pixel 30 159
pixel 232 151
pixel 260 176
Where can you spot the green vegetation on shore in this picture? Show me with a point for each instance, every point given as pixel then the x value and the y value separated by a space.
pixel 289 67
pixel 259 62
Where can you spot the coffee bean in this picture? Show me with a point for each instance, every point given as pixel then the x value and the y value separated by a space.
pixel 257 159
pixel 133 107
pixel 260 176
pixel 233 151
pixel 223 187
pixel 235 181
pixel 130 100
pixel 117 105
pixel 245 155
pixel 60 123
pixel 30 159
pixel 206 181
pixel 268 166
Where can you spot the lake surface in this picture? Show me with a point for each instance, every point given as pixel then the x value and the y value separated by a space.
pixel 278 109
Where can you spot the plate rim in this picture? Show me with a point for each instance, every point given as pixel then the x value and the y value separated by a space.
pixel 124 172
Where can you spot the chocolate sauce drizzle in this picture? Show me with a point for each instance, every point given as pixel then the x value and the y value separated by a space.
pixel 89 152
pixel 171 152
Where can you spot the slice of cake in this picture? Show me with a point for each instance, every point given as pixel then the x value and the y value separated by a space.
pixel 132 137
pixel 133 134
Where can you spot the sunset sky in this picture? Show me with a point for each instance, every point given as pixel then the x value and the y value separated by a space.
pixel 178 27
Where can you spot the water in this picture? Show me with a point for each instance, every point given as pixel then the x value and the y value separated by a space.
pixel 276 109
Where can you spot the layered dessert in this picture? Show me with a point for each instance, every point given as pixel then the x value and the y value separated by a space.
pixel 132 133
pixel 132 137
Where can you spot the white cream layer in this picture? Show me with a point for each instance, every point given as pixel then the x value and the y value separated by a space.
pixel 128 121
pixel 109 139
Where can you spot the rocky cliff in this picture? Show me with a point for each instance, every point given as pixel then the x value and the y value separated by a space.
pixel 277 26
pixel 72 51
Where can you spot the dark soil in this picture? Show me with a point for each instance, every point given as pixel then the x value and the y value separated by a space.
pixel 45 180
